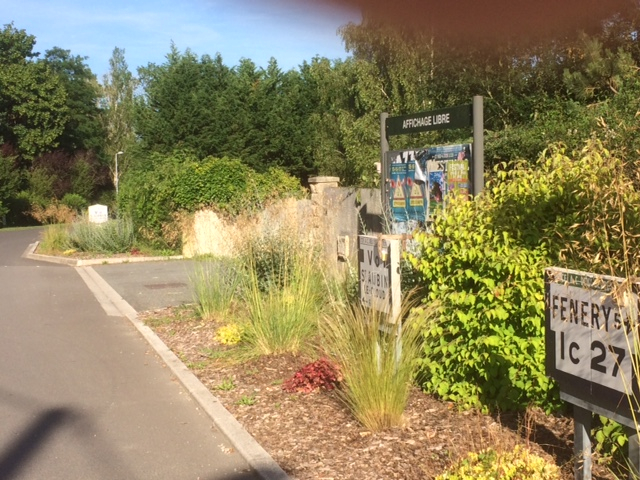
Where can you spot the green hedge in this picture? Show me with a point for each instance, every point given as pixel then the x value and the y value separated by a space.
pixel 162 186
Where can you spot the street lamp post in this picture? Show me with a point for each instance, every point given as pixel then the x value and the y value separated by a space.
pixel 116 178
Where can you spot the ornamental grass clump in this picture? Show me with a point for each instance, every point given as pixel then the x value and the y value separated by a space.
pixel 377 361
pixel 215 284
pixel 55 239
pixel 283 301
pixel 112 236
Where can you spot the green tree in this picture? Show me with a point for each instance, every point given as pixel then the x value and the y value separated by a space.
pixel 117 102
pixel 33 108
pixel 10 180
pixel 184 104
pixel 83 130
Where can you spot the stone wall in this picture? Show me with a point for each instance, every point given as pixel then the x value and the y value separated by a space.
pixel 333 217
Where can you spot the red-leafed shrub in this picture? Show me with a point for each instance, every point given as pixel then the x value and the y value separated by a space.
pixel 318 375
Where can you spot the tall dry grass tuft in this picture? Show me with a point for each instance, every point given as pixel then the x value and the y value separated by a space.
pixel 377 361
pixel 55 239
pixel 283 294
pixel 215 283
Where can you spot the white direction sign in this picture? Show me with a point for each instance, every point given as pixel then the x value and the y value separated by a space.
pixel 591 318
pixel 379 272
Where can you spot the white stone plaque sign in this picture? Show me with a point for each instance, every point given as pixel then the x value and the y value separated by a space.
pixel 98 213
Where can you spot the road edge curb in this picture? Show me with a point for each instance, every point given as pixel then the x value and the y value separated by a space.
pixel 87 262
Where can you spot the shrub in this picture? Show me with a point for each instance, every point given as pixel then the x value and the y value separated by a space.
pixel 519 464
pixel 484 343
pixel 53 213
pixel 75 201
pixel 376 361
pixel 162 185
pixel 230 334
pixel 484 265
pixel 113 236
pixel 318 375
pixel 230 186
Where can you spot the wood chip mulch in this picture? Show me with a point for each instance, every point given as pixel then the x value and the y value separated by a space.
pixel 314 437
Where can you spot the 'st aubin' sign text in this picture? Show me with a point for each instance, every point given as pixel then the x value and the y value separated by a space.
pixel 379 272
pixel 590 347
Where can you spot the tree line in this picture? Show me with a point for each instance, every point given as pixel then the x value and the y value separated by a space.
pixel 60 128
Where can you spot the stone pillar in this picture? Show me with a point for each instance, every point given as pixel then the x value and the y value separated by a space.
pixel 318 185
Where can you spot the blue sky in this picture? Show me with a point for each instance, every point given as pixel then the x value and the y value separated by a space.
pixel 289 30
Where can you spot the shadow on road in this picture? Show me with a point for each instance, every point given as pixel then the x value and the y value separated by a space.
pixel 32 439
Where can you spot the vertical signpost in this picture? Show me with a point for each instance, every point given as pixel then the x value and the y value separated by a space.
pixel 591 337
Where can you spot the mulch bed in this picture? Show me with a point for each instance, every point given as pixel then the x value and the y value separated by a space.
pixel 314 436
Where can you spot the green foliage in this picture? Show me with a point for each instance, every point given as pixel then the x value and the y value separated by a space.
pixel 75 201
pixel 161 186
pixel 247 400
pixel 82 130
pixel 146 195
pixel 377 362
pixel 257 115
pixel 483 344
pixel 113 236
pixel 230 186
pixel 10 180
pixel 117 102
pixel 519 464
pixel 32 100
pixel 610 441
pixel 483 266
pixel 583 207
pixel 226 385
pixel 41 186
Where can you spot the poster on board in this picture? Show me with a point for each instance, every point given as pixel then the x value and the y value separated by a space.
pixel 422 179
pixel 407 188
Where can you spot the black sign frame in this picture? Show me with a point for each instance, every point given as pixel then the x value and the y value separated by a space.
pixel 460 116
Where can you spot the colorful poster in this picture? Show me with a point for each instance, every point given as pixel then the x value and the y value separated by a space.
pixel 398 203
pixel 458 177
pixel 416 201
pixel 407 192
pixel 436 187
pixel 447 168
pixel 420 180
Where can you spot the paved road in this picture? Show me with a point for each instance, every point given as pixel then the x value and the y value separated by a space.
pixel 82 395
pixel 150 285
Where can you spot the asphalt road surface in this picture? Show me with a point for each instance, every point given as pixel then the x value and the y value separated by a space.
pixel 82 395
